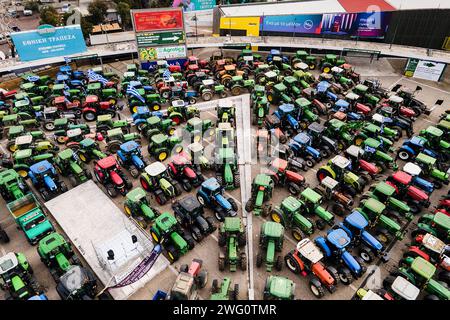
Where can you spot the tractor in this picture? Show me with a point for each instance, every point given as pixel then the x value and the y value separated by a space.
pixel 278 94
pixel 45 179
pixel 282 175
pixel 227 171
pixel 287 113
pixel 167 232
pixel 198 129
pixel 196 154
pixel 129 156
pixel 437 224
pixel 415 145
pixel 225 135
pixel 373 152
pixel 420 273
pixel 16 277
pixel 367 98
pixel 394 123
pixel 334 247
pixel 329 61
pixel 368 246
pixel 182 170
pixel 105 123
pixel 279 288
pixel 156 179
pixel 307 259
pixel 301 147
pixel 319 141
pixel 109 173
pixel 57 254
pixel 190 215
pixel 226 112
pixel 301 56
pixel 260 109
pixel 115 138
pixel 311 205
pixel 23 159
pixel 137 206
pixel 430 170
pixel 271 238
pixel 88 150
pixel 233 237
pixel 411 102
pixel 384 193
pixel 189 281
pixel 289 214
pixel 329 190
pixel 358 165
pixel 180 112
pixel 68 164
pixel 432 249
pixel 338 168
pixel 154 125
pixel 225 291
pixel 209 88
pixel 92 108
pixel 12 186
pixel 307 112
pixel 210 194
pixel 161 146
pixel 436 140
pixel 262 188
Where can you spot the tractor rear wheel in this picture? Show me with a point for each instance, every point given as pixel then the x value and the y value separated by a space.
pixel 320 224
pixel 338 209
pixel 186 186
pixel 134 172
pixel 259 259
pixel 233 204
pixel 383 235
pixel 234 295
pixel 333 273
pixel 215 286
pixel 445 277
pixel 196 234
pixel 366 255
pixel 161 199
pixel 202 278
pixel 297 233
pixel 4 238
pixel 387 282
pixel 316 287
pixel 277 216
pixel 345 276
pixel 211 224
pixel 172 253
pixel 249 206
pixel 294 188
pixel 89 116
pixel 112 192
pixel 265 210
pixel 45 195
pixel 184 268
pixel 292 264
pixel 178 189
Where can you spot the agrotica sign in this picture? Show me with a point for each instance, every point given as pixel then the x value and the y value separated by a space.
pixel 48 41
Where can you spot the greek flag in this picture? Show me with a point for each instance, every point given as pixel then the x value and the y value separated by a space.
pixel 96 77
pixel 382 128
pixel 132 91
pixel 33 78
pixel 369 149
pixel 166 74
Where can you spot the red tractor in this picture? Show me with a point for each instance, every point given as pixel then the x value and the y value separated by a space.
pixel 278 171
pixel 109 173
pixel 444 206
pixel 194 64
pixel 64 105
pixel 306 260
pixel 167 86
pixel 182 170
pixel 92 108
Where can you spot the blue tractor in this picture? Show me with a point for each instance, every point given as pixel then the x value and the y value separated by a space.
pixel 334 247
pixel 45 179
pixel 344 106
pixel 276 53
pixel 301 147
pixel 288 114
pixel 323 92
pixel 211 194
pixel 412 147
pixel 130 157
pixel 368 246
pixel 142 114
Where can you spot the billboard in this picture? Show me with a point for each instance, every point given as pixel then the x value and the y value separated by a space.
pixel 145 20
pixel 293 23
pixel 194 5
pixel 157 38
pixel 157 53
pixel 424 69
pixel 48 41
pixel 364 24
pixel 249 24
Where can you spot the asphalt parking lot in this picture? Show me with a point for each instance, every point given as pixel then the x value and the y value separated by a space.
pixel 207 250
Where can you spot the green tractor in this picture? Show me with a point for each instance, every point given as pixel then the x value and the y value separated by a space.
pixel 306 79
pixel 301 56
pixel 137 206
pixel 338 168
pixel 209 88
pixel 233 237
pixel 115 138
pixel 311 201
pixel 279 288
pixel 271 238
pixel 376 214
pixel 330 61
pixel 157 180
pixel 307 114
pixel 155 125
pixel 226 112
pixel 289 215
pixel 12 186
pixel 16 277
pixel 167 231
pixel 198 128
pixel 161 146
pixel 341 131
pixel 180 112
pixel 373 152
pixel 225 135
pixel 105 123
pixel 420 273
pixel 57 254
pixel 260 105
pixel 384 193
pixel 262 188
pixel 373 131
pixel 429 168
pixel 227 171
pixel 68 164
pixel 437 224
pixel 237 84
pixel 89 150
pixel 293 85
pixel 278 94
pixel 368 98
pixel 225 290
pixel 24 159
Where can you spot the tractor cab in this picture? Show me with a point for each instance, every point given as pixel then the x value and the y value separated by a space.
pixel 426 162
pixel 156 171
pixel 279 288
pixel 130 147
pixel 180 162
pixel 435 246
pixel 77 283
pixel 373 209
pixel 395 101
pixel 338 238
pixel 74 135
pixel 352 97
pixel 107 164
pixel 434 135
pixel 9 266
pixel 190 207
pixel 404 289
pixel 340 164
pixel 383 191
pixel 311 198
pixel 211 187
pixel 24 142
pixel 224 134
pixel 412 169
pixel 196 153
pixel 329 185
pixel 308 249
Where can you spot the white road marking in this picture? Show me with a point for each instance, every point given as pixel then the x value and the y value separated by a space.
pixel 395 83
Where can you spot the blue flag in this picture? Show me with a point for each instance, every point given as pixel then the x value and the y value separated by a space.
pixel 133 92
pixel 93 76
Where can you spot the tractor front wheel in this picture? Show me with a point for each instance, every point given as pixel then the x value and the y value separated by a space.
pixel 89 116
pixel 292 264
pixel 172 253
pixel 297 234
pixel 345 276
pixel 277 216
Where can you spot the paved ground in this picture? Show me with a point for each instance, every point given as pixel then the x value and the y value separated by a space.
pixel 208 248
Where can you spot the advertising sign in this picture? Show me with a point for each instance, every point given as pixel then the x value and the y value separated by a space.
pixel 194 5
pixel 369 25
pixel 293 23
pixel 157 53
pixel 249 24
pixel 153 38
pixel 145 20
pixel 48 42
pixel 423 69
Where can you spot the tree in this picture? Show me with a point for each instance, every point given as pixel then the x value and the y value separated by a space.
pixel 49 15
pixel 32 5
pixel 97 10
pixel 123 9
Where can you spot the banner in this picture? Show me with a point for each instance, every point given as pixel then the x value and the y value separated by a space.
pixel 364 24
pixel 158 53
pixel 194 5
pixel 157 38
pixel 293 23
pixel 423 69
pixel 48 41
pixel 157 20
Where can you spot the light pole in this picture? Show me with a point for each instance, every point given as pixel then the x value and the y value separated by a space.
pixel 196 30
